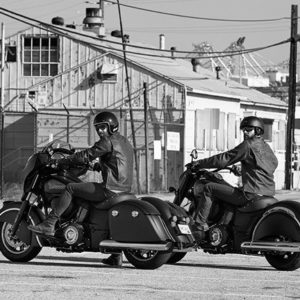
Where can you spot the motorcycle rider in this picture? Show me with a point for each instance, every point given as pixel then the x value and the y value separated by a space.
pixel 258 163
pixel 115 160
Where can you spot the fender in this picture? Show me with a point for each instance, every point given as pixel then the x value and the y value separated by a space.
pixel 8 214
pixel 281 218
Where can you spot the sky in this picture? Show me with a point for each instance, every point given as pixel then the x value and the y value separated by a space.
pixel 180 32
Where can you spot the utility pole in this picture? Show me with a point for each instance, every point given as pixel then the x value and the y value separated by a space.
pixel 290 136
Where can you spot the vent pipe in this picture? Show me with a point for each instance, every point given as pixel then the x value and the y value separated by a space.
pixel 173 49
pixel 196 64
pixel 162 41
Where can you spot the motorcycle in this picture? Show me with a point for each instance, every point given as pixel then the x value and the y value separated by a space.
pixel 147 229
pixel 264 226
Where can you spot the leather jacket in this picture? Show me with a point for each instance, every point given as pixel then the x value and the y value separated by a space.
pixel 115 155
pixel 258 163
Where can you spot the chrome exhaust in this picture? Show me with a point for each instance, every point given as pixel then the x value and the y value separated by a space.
pixel 271 246
pixel 138 246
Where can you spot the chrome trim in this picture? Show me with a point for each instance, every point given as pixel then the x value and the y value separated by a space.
pixel 272 246
pixel 139 246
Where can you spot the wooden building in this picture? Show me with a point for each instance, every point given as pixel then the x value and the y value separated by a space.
pixel 61 76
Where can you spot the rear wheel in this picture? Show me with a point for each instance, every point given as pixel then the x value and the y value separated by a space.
pixel 147 259
pixel 13 248
pixel 288 261
pixel 176 257
pixel 284 262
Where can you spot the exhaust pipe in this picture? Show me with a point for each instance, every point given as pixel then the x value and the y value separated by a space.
pixel 271 246
pixel 138 246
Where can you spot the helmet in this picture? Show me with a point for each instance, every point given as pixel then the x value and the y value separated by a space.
pixel 109 119
pixel 255 122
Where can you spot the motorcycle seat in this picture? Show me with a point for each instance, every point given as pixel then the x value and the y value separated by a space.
pixel 113 200
pixel 258 203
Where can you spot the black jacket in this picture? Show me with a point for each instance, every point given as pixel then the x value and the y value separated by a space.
pixel 258 165
pixel 115 156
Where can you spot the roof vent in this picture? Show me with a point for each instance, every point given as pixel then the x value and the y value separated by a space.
pixel 173 49
pixel 94 21
pixel 58 21
pixel 162 41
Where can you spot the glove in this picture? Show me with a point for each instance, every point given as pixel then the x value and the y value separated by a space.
pixel 236 170
pixel 192 166
pixel 96 167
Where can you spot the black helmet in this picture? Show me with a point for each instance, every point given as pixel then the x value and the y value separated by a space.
pixel 255 122
pixel 109 119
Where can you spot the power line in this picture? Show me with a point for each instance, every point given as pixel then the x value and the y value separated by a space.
pixel 56 29
pixel 199 18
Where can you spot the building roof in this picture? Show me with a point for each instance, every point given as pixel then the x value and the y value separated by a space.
pixel 178 70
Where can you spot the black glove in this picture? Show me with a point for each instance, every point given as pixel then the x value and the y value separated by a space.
pixel 192 166
pixel 97 167
pixel 236 170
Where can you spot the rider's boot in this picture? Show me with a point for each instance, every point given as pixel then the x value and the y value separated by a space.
pixel 47 227
pixel 115 260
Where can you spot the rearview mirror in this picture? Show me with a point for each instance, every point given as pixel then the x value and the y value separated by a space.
pixel 194 154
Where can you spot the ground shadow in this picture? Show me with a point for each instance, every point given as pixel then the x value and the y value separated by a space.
pixel 224 267
pixel 53 262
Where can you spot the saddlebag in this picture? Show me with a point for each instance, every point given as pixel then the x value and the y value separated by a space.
pixel 137 221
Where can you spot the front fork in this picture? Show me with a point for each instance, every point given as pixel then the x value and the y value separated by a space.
pixel 24 207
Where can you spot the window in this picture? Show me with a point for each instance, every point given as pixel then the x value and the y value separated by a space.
pixel 40 56
pixel 268 124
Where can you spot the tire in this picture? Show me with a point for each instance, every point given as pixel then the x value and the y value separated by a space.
pixel 147 259
pixel 284 262
pixel 176 257
pixel 14 249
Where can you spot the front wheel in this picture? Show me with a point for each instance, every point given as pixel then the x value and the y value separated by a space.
pixel 13 248
pixel 176 257
pixel 147 259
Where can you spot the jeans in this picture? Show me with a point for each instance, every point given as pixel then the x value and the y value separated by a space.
pixel 206 194
pixel 90 191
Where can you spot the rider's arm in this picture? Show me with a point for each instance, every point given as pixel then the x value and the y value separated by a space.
pixel 225 159
pixel 99 149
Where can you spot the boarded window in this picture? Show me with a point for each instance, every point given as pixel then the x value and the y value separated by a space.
pixel 268 125
pixel 221 133
pixel 231 130
pixel 40 56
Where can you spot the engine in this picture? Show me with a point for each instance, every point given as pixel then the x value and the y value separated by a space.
pixel 73 234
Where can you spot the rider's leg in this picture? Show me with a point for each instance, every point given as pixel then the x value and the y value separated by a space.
pixel 89 191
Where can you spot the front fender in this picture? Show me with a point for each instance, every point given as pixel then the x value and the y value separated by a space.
pixel 281 219
pixel 8 214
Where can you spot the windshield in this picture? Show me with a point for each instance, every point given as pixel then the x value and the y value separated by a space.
pixel 57 144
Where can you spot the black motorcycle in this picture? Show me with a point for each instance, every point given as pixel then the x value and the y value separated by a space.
pixel 148 230
pixel 265 226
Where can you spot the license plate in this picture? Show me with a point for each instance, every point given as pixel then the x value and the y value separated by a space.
pixel 185 229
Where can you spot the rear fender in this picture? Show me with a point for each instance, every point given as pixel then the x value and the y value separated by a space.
pixel 8 214
pixel 282 219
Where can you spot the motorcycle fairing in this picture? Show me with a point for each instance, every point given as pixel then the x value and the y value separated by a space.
pixel 137 221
